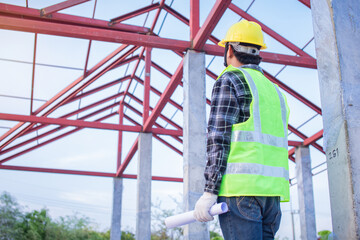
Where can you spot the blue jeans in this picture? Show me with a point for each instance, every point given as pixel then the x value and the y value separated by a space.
pixel 250 218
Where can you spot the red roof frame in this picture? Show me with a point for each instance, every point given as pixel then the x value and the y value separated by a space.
pixel 133 38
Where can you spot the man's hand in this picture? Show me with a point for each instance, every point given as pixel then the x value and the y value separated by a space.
pixel 203 205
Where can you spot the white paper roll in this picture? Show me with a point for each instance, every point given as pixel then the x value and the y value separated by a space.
pixel 188 217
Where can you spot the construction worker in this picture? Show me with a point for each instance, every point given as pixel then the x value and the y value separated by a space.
pixel 247 147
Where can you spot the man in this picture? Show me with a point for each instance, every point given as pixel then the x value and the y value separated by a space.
pixel 247 151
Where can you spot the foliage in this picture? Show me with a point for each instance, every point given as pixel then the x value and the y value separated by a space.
pixel 158 215
pixel 215 236
pixel 37 225
pixel 324 235
pixel 126 235
pixel 10 216
pixel 16 224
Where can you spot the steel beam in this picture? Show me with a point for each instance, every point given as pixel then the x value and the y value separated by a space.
pixel 52 170
pixel 147 86
pixel 174 82
pixel 156 18
pixel 303 136
pixel 269 57
pixel 84 124
pixel 107 35
pixel 61 29
pixel 67 122
pixel 139 113
pixel 61 93
pixel 65 18
pixel 134 13
pixel 309 141
pixel 95 90
pixel 269 31
pixel 157 137
pixel 60 6
pixel 186 21
pixel 64 100
pixel 305 2
pixel 51 140
pixel 86 173
pixel 194 18
pixel 33 75
pixel 120 136
pixel 128 158
pixel 213 18
pixel 293 93
pixel 54 130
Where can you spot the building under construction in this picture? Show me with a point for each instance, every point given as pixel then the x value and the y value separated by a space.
pixel 135 79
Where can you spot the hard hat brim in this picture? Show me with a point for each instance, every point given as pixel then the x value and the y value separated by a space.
pixel 222 43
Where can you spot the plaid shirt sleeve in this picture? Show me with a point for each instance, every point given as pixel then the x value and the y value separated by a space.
pixel 230 104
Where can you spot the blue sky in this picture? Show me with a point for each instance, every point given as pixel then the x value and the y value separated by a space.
pixel 96 150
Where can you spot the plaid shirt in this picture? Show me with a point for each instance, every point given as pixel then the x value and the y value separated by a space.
pixel 230 104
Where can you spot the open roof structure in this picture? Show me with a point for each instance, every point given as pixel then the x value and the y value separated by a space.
pixel 75 65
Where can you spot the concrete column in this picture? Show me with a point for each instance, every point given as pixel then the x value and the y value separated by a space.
pixel 115 232
pixel 305 193
pixel 143 210
pixel 194 138
pixel 337 38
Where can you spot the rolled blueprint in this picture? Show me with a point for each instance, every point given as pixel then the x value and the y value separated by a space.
pixel 188 217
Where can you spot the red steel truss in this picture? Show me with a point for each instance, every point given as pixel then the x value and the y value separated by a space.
pixel 134 39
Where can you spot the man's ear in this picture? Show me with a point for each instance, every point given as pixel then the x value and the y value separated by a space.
pixel 230 52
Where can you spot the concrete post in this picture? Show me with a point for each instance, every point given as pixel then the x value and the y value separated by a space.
pixel 337 38
pixel 143 210
pixel 115 232
pixel 305 193
pixel 194 138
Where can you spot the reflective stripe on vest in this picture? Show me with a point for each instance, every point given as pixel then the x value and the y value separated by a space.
pixel 257 135
pixel 257 169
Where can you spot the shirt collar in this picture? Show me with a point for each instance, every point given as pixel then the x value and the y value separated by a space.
pixel 253 66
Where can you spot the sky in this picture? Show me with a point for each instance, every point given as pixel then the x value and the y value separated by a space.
pixel 61 60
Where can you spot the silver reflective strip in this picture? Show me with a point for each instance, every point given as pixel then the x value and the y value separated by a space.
pixel 257 135
pixel 257 169
pixel 283 110
pixel 247 136
pixel 256 109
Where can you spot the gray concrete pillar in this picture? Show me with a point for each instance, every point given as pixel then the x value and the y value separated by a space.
pixel 115 232
pixel 305 193
pixel 194 138
pixel 143 205
pixel 337 38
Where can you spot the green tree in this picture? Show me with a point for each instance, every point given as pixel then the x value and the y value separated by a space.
pixel 127 235
pixel 37 225
pixel 10 217
pixel 34 225
pixel 158 215
pixel 215 236
pixel 324 235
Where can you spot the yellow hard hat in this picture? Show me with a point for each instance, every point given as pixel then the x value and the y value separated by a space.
pixel 245 32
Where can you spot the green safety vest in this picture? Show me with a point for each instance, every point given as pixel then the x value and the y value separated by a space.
pixel 257 164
